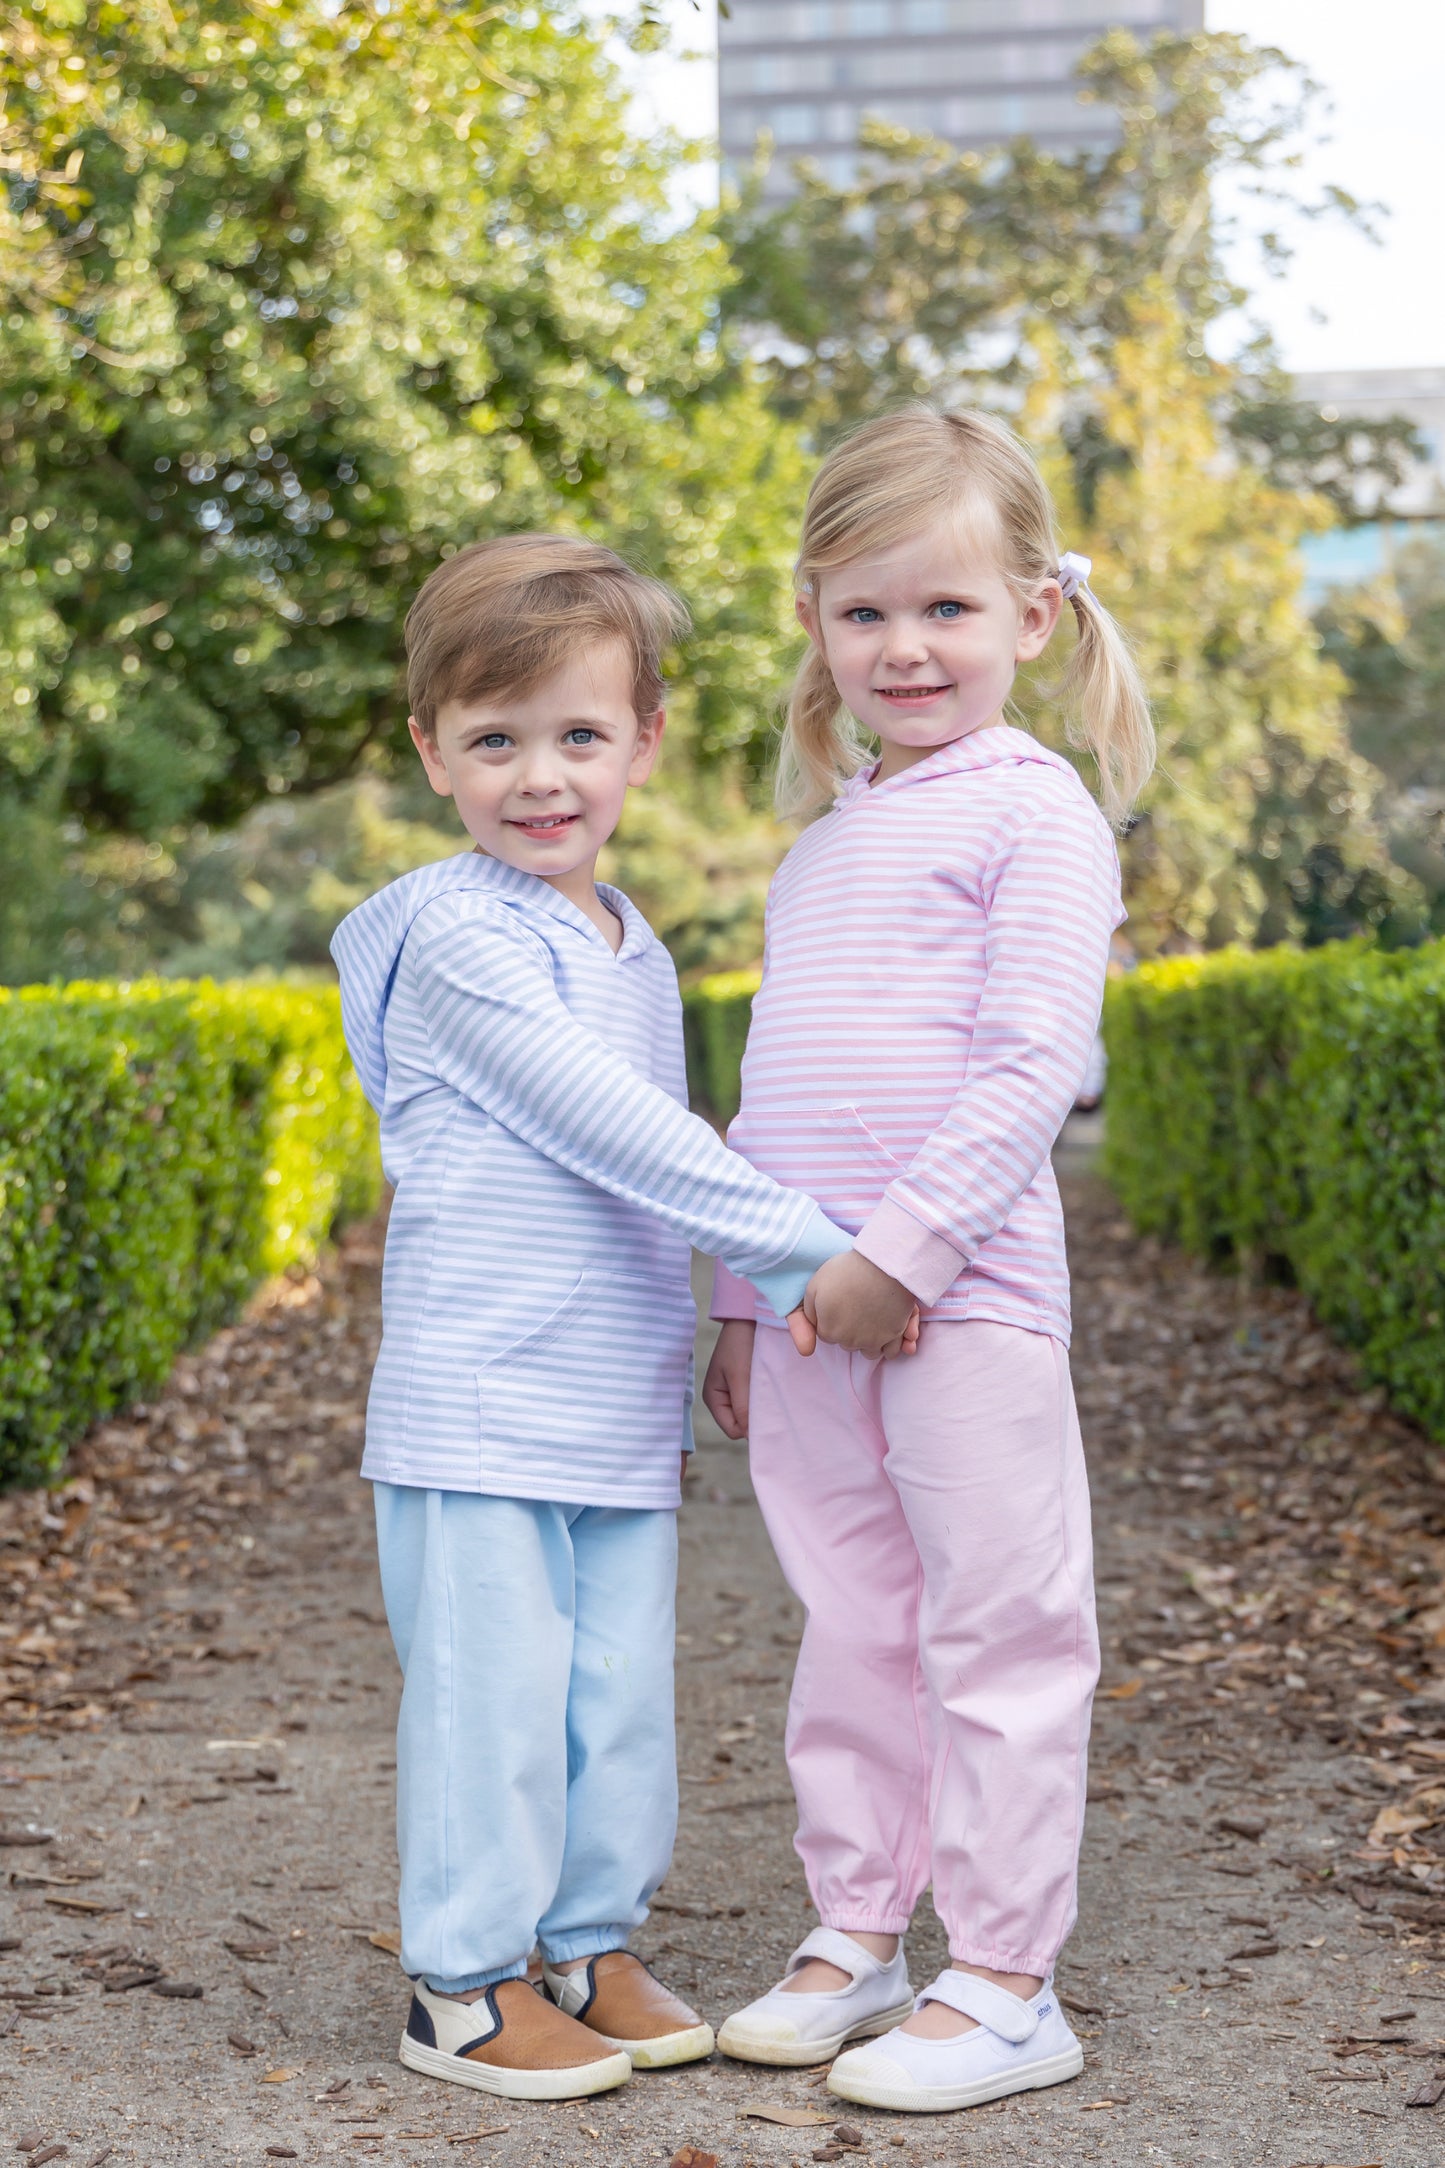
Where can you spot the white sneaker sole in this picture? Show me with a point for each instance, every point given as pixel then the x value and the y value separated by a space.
pixel 745 2047
pixel 938 2099
pixel 575 2084
pixel 668 2049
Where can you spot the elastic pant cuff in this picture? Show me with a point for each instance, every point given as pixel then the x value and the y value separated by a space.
pixel 866 1923
pixel 1029 1962
pixel 474 1980
pixel 585 1942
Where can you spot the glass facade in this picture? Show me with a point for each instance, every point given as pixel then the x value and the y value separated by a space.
pixel 807 73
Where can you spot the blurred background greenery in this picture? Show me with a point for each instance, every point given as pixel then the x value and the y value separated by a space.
pixel 299 295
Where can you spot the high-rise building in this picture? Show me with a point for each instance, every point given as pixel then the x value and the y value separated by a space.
pixel 973 72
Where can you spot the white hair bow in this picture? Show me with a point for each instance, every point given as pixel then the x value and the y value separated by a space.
pixel 1074 573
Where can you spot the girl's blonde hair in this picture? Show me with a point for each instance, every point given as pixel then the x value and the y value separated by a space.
pixel 899 476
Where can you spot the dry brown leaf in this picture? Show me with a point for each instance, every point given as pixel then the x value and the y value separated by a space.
pixel 280 2077
pixel 385 1938
pixel 1126 1692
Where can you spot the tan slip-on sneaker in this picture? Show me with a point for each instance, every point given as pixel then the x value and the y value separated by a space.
pixel 510 2041
pixel 618 1999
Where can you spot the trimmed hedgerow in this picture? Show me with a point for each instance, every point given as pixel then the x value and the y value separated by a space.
pixel 163 1146
pixel 715 1014
pixel 1291 1106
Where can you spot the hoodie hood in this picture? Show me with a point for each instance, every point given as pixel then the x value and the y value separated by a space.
pixel 999 746
pixel 367 948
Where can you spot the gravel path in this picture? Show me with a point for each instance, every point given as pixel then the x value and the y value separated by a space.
pixel 1259 1974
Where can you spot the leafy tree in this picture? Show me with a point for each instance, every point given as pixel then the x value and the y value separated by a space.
pixel 296 298
pixel 1388 639
pixel 1079 293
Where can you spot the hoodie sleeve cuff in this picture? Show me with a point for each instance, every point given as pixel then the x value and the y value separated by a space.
pixel 783 1286
pixel 731 1297
pixel 903 1247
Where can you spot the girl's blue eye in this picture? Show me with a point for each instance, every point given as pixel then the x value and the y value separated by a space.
pixel 949 610
pixel 865 614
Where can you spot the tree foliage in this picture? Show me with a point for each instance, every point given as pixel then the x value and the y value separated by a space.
pixel 1081 294
pixel 296 298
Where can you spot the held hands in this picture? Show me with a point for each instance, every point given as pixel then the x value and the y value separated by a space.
pixel 856 1305
pixel 849 1302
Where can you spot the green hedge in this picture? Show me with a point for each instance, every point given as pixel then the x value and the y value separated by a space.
pixel 715 1014
pixel 163 1146
pixel 1292 1106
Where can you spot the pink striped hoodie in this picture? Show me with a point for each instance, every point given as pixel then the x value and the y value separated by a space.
pixel 932 976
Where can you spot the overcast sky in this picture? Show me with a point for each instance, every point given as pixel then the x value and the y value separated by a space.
pixel 1342 304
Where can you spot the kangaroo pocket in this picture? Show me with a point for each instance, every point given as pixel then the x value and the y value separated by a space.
pixel 845 1127
pixel 603 1375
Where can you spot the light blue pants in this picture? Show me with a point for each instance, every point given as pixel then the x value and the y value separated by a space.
pixel 536 1766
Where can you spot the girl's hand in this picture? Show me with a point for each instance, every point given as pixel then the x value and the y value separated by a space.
pixel 857 1306
pixel 725 1388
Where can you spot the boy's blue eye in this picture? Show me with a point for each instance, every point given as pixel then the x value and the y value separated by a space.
pixel 581 736
pixel 494 741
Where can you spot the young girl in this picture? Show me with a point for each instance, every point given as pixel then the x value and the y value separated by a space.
pixel 934 966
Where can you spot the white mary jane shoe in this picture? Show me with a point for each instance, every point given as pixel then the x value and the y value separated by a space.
pixel 1018 2046
pixel 785 2028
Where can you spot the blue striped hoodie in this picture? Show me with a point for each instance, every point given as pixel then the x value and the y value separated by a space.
pixel 537 1319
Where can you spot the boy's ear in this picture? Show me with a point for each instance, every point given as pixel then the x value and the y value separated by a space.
pixel 649 742
pixel 431 759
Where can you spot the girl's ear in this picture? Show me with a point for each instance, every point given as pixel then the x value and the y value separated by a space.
pixel 1038 621
pixel 807 617
pixel 431 759
pixel 649 742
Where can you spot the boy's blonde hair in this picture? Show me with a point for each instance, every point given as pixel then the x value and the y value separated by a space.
pixel 899 476
pixel 500 616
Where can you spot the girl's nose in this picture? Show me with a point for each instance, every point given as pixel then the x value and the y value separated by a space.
pixel 904 645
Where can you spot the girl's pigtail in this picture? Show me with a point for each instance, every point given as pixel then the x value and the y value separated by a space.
pixel 1105 692
pixel 821 747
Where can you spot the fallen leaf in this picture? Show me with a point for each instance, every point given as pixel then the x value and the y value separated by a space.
pixel 764 2111
pixel 1126 1692
pixel 83 1904
pixel 1398 1822
pixel 281 2152
pixel 16 1837
pixel 1120 2100
pixel 280 2077
pixel 386 1938
pixel 179 1990
pixel 48 2152
pixel 1081 2009
pixel 692 2156
pixel 103 2155
pixel 1427 2094
pixel 242 2045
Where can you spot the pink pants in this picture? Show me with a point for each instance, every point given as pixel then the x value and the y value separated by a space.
pixel 932 1516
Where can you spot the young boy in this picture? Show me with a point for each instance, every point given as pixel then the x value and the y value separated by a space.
pixel 518 1029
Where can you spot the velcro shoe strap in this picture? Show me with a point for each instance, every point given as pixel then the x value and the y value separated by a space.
pixel 835 1948
pixel 1005 2014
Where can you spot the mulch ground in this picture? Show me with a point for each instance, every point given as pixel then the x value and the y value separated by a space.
pixel 194 1812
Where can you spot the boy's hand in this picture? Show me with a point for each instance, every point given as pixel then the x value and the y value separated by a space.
pixel 857 1306
pixel 725 1388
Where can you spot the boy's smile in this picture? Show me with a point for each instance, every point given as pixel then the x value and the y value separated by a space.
pixel 540 776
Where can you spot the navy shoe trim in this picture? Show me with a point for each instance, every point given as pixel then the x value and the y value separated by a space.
pixel 590 1975
pixel 490 1999
pixel 419 2026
